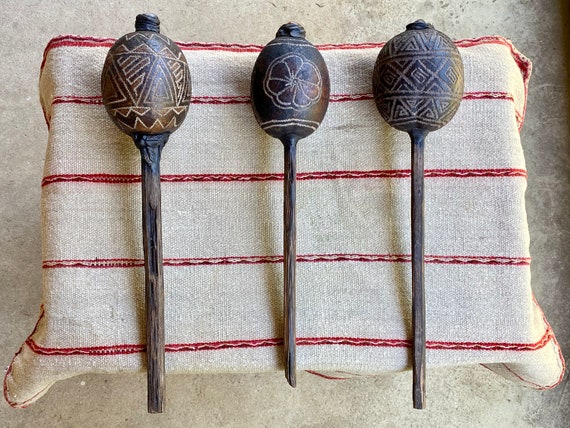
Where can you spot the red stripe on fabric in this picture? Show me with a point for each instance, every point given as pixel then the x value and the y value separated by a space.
pixel 229 47
pixel 430 344
pixel 475 95
pixel 336 98
pixel 93 178
pixel 137 348
pixel 315 175
pixel 488 96
pixel 123 349
pixel 116 263
pixel 536 385
pixel 324 376
pixel 94 263
pixel 25 403
pixel 473 173
pixel 47 118
pixel 74 99
pixel 229 344
pixel 493 346
pixel 246 99
pixel 90 41
pixel 91 350
pixel 490 260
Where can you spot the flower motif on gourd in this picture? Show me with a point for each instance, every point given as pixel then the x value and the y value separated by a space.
pixel 293 82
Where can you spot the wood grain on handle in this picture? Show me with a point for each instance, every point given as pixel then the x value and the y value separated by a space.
pixel 150 147
pixel 418 288
pixel 290 257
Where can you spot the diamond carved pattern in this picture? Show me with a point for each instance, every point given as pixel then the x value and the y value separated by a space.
pixel 418 80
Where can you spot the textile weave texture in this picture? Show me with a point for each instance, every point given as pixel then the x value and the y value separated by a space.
pixel 222 188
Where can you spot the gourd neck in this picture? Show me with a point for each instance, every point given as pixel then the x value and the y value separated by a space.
pixel 147 22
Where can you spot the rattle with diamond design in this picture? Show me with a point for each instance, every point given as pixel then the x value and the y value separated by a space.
pixel 418 87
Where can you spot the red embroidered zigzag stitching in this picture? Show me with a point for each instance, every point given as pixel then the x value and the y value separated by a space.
pixel 524 63
pixel 243 99
pixel 27 402
pixel 104 263
pixel 315 175
pixel 111 350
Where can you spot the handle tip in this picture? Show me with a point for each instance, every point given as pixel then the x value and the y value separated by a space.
pixel 154 410
pixel 155 402
pixel 419 397
pixel 291 377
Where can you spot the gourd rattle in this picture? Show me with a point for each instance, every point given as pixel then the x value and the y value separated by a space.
pixel 289 94
pixel 418 86
pixel 146 91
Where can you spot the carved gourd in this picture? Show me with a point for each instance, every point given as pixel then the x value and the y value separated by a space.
pixel 146 81
pixel 418 79
pixel 290 85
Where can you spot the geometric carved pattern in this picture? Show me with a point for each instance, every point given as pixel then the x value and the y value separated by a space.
pixel 418 80
pixel 146 83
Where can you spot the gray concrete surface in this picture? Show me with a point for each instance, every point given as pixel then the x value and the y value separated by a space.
pixel 463 397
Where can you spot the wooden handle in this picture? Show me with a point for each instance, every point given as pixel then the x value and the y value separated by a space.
pixel 150 147
pixel 418 288
pixel 290 258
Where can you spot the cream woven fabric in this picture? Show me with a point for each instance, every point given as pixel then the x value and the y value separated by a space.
pixel 222 213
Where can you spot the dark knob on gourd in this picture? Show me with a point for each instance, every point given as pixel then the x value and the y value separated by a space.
pixel 289 94
pixel 418 87
pixel 146 90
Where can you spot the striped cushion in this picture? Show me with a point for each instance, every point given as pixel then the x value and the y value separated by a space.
pixel 222 202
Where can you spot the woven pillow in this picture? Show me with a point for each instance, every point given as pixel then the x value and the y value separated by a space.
pixel 222 202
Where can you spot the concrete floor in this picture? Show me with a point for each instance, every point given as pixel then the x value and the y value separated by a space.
pixel 468 396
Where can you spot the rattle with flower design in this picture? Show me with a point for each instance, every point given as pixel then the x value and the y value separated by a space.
pixel 289 94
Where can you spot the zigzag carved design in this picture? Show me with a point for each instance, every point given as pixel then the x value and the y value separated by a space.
pixel 146 83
